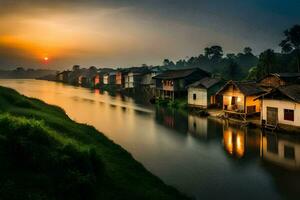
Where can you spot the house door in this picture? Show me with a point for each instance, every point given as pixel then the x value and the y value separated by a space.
pixel 272 115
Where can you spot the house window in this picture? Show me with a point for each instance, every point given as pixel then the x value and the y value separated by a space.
pixel 289 152
pixel 288 114
pixel 194 96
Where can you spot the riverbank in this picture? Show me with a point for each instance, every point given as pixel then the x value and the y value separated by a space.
pixel 46 155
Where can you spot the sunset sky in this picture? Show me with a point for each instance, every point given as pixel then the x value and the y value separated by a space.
pixel 132 32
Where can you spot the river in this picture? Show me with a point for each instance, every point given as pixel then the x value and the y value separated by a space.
pixel 205 158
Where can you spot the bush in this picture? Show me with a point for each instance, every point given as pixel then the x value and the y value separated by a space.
pixel 73 171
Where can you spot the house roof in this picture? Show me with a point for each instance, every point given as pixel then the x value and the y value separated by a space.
pixel 288 77
pixel 247 88
pixel 206 82
pixel 180 73
pixel 290 91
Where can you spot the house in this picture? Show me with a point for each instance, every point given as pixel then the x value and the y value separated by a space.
pixel 112 78
pixel 63 76
pixel 281 107
pixel 96 80
pixel 104 75
pixel 239 98
pixel 86 77
pixel 134 77
pixel 275 80
pixel 147 80
pixel 105 79
pixel 119 78
pixel 202 93
pixel 173 83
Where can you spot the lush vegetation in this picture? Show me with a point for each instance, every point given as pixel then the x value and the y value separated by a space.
pixel 46 155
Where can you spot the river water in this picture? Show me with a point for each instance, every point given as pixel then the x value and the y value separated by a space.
pixel 204 158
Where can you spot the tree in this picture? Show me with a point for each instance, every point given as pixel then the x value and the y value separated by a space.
pixel 231 56
pixel 232 70
pixel 168 63
pixel 248 51
pixel 267 62
pixel 214 53
pixel 291 43
pixel 252 73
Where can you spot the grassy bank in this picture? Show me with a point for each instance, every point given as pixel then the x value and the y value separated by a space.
pixel 46 155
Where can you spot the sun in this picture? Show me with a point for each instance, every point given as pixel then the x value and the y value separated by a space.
pixel 46 58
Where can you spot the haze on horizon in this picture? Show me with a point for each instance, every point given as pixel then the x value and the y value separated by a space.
pixel 133 32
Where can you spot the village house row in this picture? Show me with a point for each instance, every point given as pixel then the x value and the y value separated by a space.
pixel 275 98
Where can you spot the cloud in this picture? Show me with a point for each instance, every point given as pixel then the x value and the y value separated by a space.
pixel 132 32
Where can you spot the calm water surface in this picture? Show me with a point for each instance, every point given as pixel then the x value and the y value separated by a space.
pixel 205 158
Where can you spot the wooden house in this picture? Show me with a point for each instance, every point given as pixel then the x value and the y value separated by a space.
pixel 239 98
pixel 134 77
pixel 202 93
pixel 276 80
pixel 106 79
pixel 147 78
pixel 173 83
pixel 281 107
pixel 63 76
pixel 112 78
pixel 96 80
pixel 104 72
pixel 86 77
pixel 120 78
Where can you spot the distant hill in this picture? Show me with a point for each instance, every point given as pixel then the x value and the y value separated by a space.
pixel 21 73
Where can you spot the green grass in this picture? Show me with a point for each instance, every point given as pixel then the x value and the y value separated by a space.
pixel 46 155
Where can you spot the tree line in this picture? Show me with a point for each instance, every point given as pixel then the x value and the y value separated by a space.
pixel 246 65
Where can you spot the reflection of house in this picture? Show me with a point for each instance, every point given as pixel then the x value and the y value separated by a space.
pixel 172 119
pixel 198 126
pixel 173 83
pixel 234 142
pixel 279 79
pixel 239 98
pixel 202 92
pixel 238 143
pixel 281 106
pixel 203 127
pixel 281 151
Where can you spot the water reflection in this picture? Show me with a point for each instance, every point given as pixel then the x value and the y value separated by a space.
pixel 172 119
pixel 281 150
pixel 206 158
pixel 238 143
